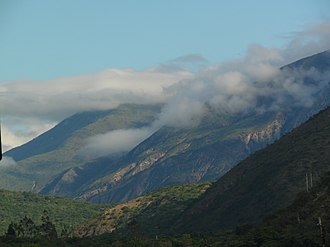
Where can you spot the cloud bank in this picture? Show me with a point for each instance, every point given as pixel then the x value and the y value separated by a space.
pixel 29 107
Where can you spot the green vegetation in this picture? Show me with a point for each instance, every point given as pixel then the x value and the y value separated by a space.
pixel 14 206
pixel 151 214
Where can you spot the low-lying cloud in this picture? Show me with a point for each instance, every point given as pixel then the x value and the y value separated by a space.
pixel 114 142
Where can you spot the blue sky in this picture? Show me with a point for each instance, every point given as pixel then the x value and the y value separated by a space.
pixel 47 39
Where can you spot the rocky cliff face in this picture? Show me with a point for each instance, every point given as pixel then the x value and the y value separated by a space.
pixel 266 135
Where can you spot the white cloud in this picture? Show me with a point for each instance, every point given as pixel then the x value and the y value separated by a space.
pixel 114 142
pixel 28 108
pixel 238 85
pixel 21 131
pixel 313 39
pixel 59 98
pixel 180 112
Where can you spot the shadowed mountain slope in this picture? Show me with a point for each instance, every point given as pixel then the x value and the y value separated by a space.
pixel 265 181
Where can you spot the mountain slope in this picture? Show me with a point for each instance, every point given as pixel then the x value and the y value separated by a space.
pixel 56 151
pixel 173 156
pixel 201 153
pixel 57 136
pixel 265 181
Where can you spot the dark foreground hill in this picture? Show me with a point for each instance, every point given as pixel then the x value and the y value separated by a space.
pixel 306 222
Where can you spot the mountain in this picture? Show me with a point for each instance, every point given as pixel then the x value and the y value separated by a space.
pixel 264 182
pixel 62 211
pixel 55 151
pixel 170 156
pixel 203 152
pixel 200 153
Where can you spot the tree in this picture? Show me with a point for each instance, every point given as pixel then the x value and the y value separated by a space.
pixel 11 231
pixel 47 228
pixel 27 227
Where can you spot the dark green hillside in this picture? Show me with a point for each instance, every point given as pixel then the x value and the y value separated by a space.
pixel 153 213
pixel 15 205
pixel 298 225
pixel 266 181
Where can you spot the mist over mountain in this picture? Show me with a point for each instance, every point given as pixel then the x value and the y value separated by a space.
pixel 210 122
pixel 208 145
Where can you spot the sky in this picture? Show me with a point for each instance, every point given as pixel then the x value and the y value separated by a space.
pixel 61 57
pixel 49 39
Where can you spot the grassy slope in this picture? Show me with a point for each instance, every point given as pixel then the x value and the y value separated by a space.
pixel 62 211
